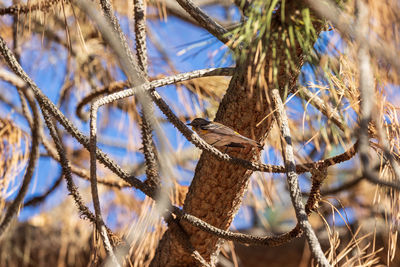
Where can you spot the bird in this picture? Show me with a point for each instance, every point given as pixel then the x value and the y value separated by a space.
pixel 219 135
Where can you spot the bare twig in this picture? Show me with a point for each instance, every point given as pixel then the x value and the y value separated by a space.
pixel 205 21
pixel 322 106
pixel 317 177
pixel 34 201
pixel 33 158
pixel 149 151
pixel 185 241
pixel 113 87
pixel 152 176
pixel 345 186
pixel 115 37
pixel 292 179
pixel 269 241
pixel 85 212
pixel 83 209
pixel 100 225
pixel 140 34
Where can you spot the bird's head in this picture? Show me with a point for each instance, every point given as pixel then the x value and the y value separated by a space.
pixel 198 122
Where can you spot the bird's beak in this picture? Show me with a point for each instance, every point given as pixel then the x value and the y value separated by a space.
pixel 189 123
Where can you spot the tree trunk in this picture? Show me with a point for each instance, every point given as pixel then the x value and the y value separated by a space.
pixel 218 187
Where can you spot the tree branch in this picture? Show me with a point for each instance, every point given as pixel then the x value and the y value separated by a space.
pixel 205 21
pixel 33 158
pixel 292 179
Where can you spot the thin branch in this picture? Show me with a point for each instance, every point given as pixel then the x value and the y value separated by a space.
pixel 85 212
pixel 72 188
pixel 317 177
pixel 113 87
pixel 345 186
pixel 269 241
pixel 173 8
pixel 120 85
pixel 149 150
pixel 292 179
pixel 115 37
pixel 205 21
pixel 184 239
pixel 322 106
pixel 34 201
pixel 152 176
pixel 140 34
pixel 100 225
pixel 33 158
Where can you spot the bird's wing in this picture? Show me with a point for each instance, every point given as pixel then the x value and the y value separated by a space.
pixel 216 127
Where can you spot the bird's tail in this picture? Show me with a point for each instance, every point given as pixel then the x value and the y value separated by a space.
pixel 253 143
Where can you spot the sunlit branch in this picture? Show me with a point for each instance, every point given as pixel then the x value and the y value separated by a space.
pixel 100 225
pixel 292 179
pixel 205 21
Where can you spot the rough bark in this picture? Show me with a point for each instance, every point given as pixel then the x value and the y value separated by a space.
pixel 217 189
